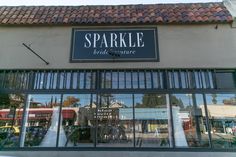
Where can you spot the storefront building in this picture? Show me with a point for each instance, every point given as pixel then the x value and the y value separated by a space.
pixel 128 80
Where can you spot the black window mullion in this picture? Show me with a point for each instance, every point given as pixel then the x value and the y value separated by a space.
pixel 58 79
pixel 111 79
pixel 2 79
pixel 118 79
pixel 138 72
pixel 193 79
pixel 85 80
pixel 125 81
pixel 104 79
pixel 165 80
pixel 159 79
pixel 207 79
pixel 214 79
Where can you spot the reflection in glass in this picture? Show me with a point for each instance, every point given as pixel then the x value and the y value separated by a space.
pixel 115 120
pixel 41 121
pixel 188 121
pixel 78 112
pixel 221 109
pixel 225 80
pixel 151 121
pixel 11 110
pixel 128 82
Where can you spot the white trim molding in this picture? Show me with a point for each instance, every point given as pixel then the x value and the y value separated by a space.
pixel 231 6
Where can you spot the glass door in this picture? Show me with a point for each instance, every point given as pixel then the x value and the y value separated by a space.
pixel 115 120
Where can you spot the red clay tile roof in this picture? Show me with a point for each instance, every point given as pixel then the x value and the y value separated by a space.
pixel 120 14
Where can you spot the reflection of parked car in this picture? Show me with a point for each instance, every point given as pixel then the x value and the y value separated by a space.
pixel 7 129
pixel 9 135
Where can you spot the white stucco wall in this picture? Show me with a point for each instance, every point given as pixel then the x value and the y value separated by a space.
pixel 180 46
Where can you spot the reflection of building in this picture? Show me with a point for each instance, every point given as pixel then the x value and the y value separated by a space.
pixel 222 118
pixel 38 115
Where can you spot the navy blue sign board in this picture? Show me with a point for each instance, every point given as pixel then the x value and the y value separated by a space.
pixel 114 44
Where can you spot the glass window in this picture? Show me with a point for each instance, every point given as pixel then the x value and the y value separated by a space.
pixel 221 109
pixel 41 120
pixel 115 121
pixel 225 80
pixel 151 121
pixel 135 80
pixel 108 79
pixel 149 81
pixel 141 77
pixel 200 122
pixel 128 82
pixel 188 122
pixel 114 80
pixel 121 80
pixel 78 123
pixel 11 110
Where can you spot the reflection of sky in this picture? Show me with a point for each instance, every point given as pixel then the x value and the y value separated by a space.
pixel 219 98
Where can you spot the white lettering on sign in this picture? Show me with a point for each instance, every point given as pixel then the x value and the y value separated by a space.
pixel 112 40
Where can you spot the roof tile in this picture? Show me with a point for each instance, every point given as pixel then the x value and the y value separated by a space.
pixel 130 14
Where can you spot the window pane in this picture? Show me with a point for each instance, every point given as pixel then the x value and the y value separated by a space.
pixel 115 121
pixel 221 109
pixel 108 79
pixel 41 120
pixel 141 80
pixel 74 80
pixel 151 121
pixel 11 109
pixel 188 122
pixel 148 80
pixel 128 80
pixel 225 80
pixel 121 80
pixel 200 122
pixel 81 80
pixel 135 80
pixel 78 111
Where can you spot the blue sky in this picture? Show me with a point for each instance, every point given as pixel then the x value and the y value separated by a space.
pixel 94 2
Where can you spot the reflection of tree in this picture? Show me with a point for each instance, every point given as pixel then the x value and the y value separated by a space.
pixel 214 96
pixel 4 101
pixel 157 100
pixel 70 101
pixel 12 102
